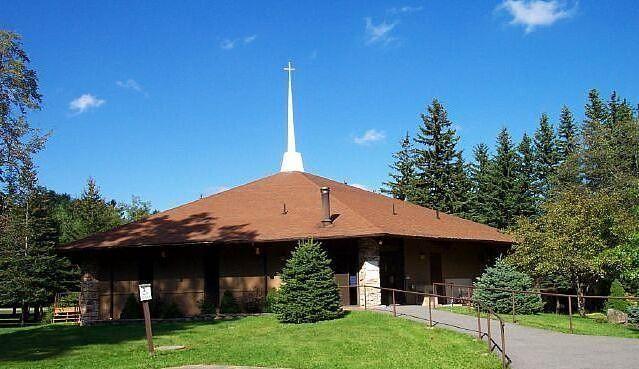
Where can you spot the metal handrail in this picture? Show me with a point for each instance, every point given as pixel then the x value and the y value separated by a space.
pixel 502 349
pixel 534 292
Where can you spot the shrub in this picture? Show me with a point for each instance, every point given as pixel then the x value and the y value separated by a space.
pixel 617 290
pixel 308 292
pixel 132 309
pixel 505 276
pixel 229 305
pixel 271 300
pixel 47 317
pixel 633 314
pixel 170 310
pixel 207 307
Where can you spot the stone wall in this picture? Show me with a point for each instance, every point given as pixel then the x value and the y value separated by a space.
pixel 368 274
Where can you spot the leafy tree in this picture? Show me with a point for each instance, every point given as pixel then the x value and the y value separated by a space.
pixel 573 238
pixel 137 209
pixel 526 201
pixel 437 160
pixel 402 182
pixel 504 178
pixel 308 293
pixel 480 196
pixel 503 276
pixel 546 159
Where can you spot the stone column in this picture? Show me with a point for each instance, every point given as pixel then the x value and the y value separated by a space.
pixel 369 272
pixel 89 296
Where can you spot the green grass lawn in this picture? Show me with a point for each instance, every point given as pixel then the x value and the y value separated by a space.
pixel 359 340
pixel 560 323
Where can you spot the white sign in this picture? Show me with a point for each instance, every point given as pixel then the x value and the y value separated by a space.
pixel 145 292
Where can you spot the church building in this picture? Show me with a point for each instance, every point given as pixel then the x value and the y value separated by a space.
pixel 239 240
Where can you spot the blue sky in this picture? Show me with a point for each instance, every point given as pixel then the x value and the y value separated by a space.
pixel 170 100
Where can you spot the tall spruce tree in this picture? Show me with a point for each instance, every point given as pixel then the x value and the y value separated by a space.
pixel 482 190
pixel 546 158
pixel 595 140
pixel 504 182
pixel 526 200
pixel 402 178
pixel 461 187
pixel 437 161
pixel 568 146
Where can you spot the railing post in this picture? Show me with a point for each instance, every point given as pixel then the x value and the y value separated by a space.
pixel 488 329
pixel 503 345
pixel 365 297
pixel 430 312
pixel 570 311
pixel 394 306
pixel 478 323
pixel 513 297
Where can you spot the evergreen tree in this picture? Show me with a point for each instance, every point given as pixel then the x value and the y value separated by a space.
pixel 568 171
pixel 461 188
pixel 595 137
pixel 89 214
pixel 437 161
pixel 482 190
pixel 546 159
pixel 308 293
pixel 504 179
pixel 402 182
pixel 526 200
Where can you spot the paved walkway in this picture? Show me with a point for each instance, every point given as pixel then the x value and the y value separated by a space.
pixel 532 348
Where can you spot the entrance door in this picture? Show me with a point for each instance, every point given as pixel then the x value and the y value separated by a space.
pixel 436 274
pixel 391 261
pixel 211 276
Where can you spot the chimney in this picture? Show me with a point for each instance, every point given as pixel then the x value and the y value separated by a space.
pixel 326 206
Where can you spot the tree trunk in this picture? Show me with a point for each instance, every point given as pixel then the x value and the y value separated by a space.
pixel 24 316
pixel 581 301
pixel 36 313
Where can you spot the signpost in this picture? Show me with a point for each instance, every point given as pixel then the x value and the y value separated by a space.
pixel 145 297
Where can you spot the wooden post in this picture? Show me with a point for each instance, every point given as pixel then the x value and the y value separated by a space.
pixel 570 311
pixel 478 323
pixel 488 330
pixel 503 345
pixel 147 326
pixel 513 293
pixel 365 298
pixel 430 312
pixel 394 306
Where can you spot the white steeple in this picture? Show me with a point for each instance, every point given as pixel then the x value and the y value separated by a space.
pixel 292 161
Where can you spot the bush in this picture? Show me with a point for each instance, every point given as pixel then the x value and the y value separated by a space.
pixel 132 308
pixel 617 290
pixel 229 305
pixel 308 292
pixel 170 310
pixel 633 314
pixel 271 300
pixel 207 307
pixel 505 276
pixel 47 317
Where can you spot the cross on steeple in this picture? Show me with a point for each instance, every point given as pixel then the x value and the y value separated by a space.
pixel 292 161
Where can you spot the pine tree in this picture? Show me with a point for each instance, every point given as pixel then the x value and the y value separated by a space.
pixel 526 200
pixel 546 159
pixel 480 196
pixel 89 214
pixel 461 188
pixel 595 137
pixel 568 151
pixel 437 160
pixel 308 293
pixel 402 183
pixel 504 180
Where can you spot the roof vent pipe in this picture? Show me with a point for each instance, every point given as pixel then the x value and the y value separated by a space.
pixel 326 205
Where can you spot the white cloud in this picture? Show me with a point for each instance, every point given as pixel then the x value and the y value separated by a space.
pixel 84 103
pixel 229 44
pixel 379 33
pixel 130 84
pixel 405 9
pixel 536 13
pixel 370 136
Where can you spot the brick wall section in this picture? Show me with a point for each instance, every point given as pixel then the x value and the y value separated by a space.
pixel 369 272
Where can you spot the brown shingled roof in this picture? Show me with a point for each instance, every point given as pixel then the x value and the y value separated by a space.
pixel 254 213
